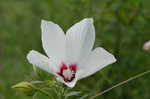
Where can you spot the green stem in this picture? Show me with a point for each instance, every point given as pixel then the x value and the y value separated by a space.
pixel 34 96
pixel 121 83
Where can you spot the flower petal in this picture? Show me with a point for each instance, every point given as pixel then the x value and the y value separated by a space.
pixel 53 39
pixel 69 84
pixel 80 40
pixel 40 61
pixel 98 59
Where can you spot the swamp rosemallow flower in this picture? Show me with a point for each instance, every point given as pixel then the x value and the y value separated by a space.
pixel 70 57
pixel 147 45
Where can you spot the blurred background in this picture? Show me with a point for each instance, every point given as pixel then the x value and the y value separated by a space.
pixel 122 26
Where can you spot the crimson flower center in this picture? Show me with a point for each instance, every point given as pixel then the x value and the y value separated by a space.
pixel 67 72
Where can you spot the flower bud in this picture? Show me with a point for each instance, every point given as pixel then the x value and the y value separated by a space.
pixel 25 87
pixel 46 83
pixel 147 46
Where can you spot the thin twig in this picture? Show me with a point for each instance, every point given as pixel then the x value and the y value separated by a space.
pixel 121 83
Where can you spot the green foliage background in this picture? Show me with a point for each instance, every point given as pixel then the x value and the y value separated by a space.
pixel 122 26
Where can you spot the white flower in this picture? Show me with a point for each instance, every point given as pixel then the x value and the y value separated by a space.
pixel 70 56
pixel 147 45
